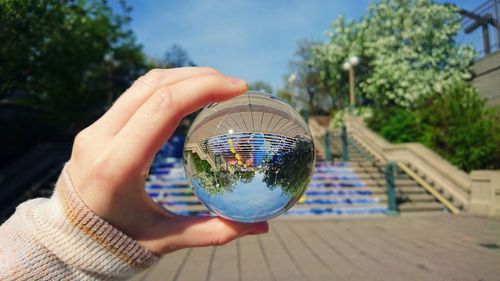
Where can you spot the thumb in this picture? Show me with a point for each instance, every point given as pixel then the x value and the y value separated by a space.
pixel 209 231
pixel 191 231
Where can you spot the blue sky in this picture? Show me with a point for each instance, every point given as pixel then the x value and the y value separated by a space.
pixel 251 39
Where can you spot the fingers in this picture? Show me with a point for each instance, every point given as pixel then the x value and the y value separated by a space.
pixel 207 231
pixel 130 101
pixel 153 123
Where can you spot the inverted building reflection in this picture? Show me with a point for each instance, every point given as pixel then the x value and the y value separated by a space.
pixel 223 160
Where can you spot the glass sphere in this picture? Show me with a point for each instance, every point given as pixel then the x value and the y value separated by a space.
pixel 249 158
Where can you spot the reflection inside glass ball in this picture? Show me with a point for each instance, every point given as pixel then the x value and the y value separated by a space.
pixel 249 158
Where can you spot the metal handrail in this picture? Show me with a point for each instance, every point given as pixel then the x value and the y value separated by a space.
pixel 429 188
pixel 345 144
pixel 392 208
pixel 328 142
pixel 389 171
pixel 359 150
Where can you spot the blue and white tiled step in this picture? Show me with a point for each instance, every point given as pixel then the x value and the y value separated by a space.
pixel 335 189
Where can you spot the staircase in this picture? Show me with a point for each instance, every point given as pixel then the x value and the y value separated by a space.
pixel 335 189
pixel 31 175
pixel 410 196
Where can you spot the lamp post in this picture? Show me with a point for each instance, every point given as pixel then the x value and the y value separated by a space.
pixel 291 81
pixel 296 94
pixel 349 66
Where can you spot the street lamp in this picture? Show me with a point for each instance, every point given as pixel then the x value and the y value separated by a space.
pixel 294 95
pixel 349 66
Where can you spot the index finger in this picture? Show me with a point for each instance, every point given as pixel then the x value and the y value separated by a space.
pixel 128 103
pixel 155 121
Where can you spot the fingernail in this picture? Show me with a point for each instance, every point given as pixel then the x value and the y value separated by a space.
pixel 235 81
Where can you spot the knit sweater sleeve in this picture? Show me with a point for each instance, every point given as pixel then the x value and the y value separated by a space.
pixel 62 239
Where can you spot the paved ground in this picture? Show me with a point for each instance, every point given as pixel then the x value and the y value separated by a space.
pixel 438 247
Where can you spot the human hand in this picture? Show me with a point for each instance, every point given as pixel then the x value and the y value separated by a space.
pixel 110 159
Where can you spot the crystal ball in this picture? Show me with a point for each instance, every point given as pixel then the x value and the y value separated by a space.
pixel 249 158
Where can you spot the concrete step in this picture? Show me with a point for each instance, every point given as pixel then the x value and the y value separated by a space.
pixel 170 182
pixel 356 206
pixel 374 190
pixel 362 163
pixel 412 198
pixel 298 206
pixel 354 187
pixel 419 200
pixel 420 197
pixel 411 190
pixel 420 206
pixel 367 169
pixel 405 190
pixel 382 182
pixel 374 176
pixel 192 198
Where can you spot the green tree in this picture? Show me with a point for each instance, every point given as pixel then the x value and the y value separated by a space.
pixel 177 56
pixel 68 59
pixel 458 126
pixel 62 63
pixel 213 181
pixel 413 50
pixel 407 52
pixel 397 124
pixel 291 170
pixel 287 95
pixel 261 86
pixel 412 72
pixel 245 176
pixel 306 89
pixel 345 39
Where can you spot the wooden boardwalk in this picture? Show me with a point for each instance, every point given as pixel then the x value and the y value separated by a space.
pixel 434 247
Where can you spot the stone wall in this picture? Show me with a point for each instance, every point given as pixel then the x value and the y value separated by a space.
pixel 487 79
pixel 485 193
pixel 476 193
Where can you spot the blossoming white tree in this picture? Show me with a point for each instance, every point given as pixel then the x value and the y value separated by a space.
pixel 407 52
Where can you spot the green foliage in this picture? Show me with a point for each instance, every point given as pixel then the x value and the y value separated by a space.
pixel 213 181
pixel 346 38
pixel 217 181
pixel 68 59
pixel 455 124
pixel 260 86
pixel 290 171
pixel 304 87
pixel 286 95
pixel 64 62
pixel 458 126
pixel 177 56
pixel 396 124
pixel 406 49
pixel 338 116
pixel 410 73
pixel 293 172
pixel 413 51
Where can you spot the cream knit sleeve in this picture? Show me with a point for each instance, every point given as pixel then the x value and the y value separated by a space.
pixel 61 239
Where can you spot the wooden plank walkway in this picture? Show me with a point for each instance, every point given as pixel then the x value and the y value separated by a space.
pixel 432 247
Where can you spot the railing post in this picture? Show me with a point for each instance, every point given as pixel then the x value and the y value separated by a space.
pixel 328 154
pixel 391 192
pixel 345 144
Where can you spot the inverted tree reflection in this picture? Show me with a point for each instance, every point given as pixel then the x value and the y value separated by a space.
pixel 291 169
pixel 285 163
